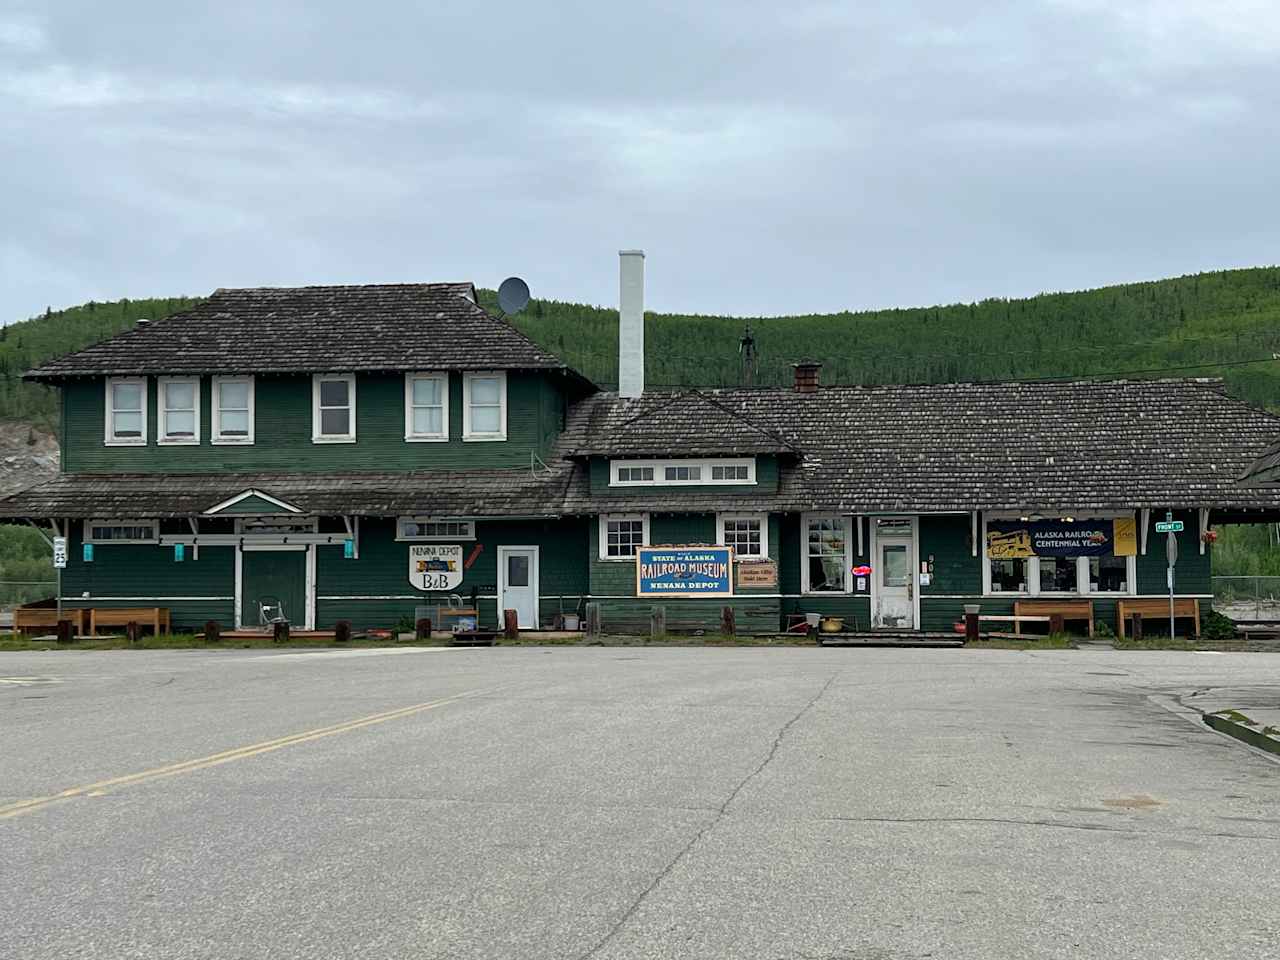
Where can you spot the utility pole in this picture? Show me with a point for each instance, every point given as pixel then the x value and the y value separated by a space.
pixel 747 348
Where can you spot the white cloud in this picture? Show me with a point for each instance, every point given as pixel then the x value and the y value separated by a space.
pixel 22 35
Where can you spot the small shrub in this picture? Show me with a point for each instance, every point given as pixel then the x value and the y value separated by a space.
pixel 1217 626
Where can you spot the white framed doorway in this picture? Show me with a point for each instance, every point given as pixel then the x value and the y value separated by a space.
pixel 518 584
pixel 895 584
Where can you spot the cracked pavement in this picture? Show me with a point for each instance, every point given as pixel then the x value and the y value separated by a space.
pixel 865 804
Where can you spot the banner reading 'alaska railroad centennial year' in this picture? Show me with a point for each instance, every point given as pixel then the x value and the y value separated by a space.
pixel 1015 539
pixel 684 572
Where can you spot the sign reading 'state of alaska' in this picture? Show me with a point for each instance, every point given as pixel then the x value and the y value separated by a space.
pixel 435 566
pixel 684 572
pixel 1015 539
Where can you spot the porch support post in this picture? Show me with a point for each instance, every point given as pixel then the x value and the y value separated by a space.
pixel 195 538
pixel 857 522
pixel 1143 524
pixel 973 530
pixel 1204 526
pixel 37 528
pixel 353 534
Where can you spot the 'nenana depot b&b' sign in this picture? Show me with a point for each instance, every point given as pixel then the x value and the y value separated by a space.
pixel 684 572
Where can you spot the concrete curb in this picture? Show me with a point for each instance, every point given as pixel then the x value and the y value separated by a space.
pixel 1245 734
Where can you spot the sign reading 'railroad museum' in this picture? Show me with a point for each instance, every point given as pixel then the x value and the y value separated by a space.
pixel 1016 539
pixel 684 572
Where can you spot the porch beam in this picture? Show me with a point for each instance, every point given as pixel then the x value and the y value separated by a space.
pixel 1143 524
pixel 353 534
pixel 857 522
pixel 973 530
pixel 195 538
pixel 253 539
pixel 1204 526
pixel 40 530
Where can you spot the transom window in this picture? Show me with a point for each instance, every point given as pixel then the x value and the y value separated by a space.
pixel 623 473
pixel 826 554
pixel 747 534
pixel 435 528
pixel 622 534
pixel 484 406
pixel 334 411
pixel 179 410
pixel 121 531
pixel 233 410
pixel 426 406
pixel 126 411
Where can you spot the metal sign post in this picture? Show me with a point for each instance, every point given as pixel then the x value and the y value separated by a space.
pixel 59 563
pixel 1171 552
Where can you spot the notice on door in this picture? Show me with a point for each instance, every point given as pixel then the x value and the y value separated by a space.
pixel 435 566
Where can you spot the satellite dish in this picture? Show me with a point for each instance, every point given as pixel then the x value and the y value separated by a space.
pixel 513 295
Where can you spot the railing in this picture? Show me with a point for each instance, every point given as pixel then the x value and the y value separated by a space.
pixel 1248 599
pixel 16 592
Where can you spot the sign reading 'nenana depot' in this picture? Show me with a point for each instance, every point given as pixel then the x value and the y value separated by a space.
pixel 684 572
pixel 435 566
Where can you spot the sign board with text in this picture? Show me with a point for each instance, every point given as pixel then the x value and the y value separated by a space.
pixel 684 572
pixel 1170 526
pixel 1018 539
pixel 60 552
pixel 759 574
pixel 435 566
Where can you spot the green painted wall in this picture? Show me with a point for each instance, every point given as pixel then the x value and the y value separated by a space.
pixel 282 441
pixel 766 481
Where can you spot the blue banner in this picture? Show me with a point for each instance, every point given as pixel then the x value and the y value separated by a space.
pixel 684 572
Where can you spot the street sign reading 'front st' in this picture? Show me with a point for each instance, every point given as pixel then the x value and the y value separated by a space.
pixel 1169 526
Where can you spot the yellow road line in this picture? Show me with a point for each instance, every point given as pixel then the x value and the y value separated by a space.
pixel 227 756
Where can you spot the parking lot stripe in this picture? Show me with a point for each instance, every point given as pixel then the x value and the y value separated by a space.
pixel 227 756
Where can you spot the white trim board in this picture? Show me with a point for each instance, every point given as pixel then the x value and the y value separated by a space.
pixel 251 492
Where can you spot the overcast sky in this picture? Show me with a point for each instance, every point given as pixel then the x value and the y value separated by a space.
pixel 770 158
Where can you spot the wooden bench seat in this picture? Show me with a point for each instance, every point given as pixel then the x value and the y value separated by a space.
pixel 155 617
pixel 1066 609
pixel 32 618
pixel 1156 609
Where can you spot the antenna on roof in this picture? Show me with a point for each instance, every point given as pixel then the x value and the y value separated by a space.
pixel 747 347
pixel 513 296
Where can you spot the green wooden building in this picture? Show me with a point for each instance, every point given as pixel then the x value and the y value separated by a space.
pixel 371 453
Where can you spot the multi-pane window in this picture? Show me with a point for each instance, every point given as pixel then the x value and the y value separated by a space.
pixel 334 412
pixel 1008 576
pixel 426 402
pixel 621 535
pixel 484 406
pixel 1058 574
pixel 126 411
pixel 826 553
pixel 635 474
pixel 433 528
pixel 731 472
pixel 748 535
pixel 120 531
pixel 1108 575
pixel 233 410
pixel 179 410
pixel 682 471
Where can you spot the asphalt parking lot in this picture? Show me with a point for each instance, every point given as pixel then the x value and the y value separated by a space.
pixel 866 804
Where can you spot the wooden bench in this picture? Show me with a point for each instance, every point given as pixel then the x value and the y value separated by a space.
pixel 1156 610
pixel 156 617
pixel 31 618
pixel 1066 609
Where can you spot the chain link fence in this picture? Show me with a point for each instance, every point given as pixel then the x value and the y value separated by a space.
pixel 1248 599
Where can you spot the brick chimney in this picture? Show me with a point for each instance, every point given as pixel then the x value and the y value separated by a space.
pixel 807 376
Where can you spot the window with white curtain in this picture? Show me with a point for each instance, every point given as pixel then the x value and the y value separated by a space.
pixel 484 406
pixel 179 410
pixel 426 406
pixel 233 410
pixel 126 406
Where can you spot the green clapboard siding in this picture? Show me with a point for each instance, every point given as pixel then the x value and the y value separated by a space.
pixel 374 590
pixel 282 441
pixel 613 585
pixel 766 481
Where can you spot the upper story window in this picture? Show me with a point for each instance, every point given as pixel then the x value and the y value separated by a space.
pixel 126 411
pixel 121 531
pixel 621 534
pixel 626 473
pixel 484 406
pixel 434 528
pixel 233 409
pixel 426 406
pixel 179 410
pixel 333 413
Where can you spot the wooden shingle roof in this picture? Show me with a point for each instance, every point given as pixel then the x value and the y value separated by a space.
pixel 387 327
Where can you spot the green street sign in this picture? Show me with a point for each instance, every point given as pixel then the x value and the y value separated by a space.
pixel 1169 526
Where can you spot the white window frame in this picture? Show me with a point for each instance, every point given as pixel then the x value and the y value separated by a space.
pixel 1082 563
pixel 847 522
pixel 409 435
pixel 215 414
pixel 434 538
pixel 316 435
pixel 603 536
pixel 468 435
pixel 659 472
pixel 762 519
pixel 109 437
pixel 162 413
pixel 90 524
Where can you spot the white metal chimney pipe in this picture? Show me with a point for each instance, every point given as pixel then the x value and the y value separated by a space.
pixel 631 323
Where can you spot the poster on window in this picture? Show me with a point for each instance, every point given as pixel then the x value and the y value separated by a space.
pixel 684 572
pixel 435 566
pixel 1017 539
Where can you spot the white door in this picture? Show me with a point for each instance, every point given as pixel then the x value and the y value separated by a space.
pixel 895 590
pixel 518 584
